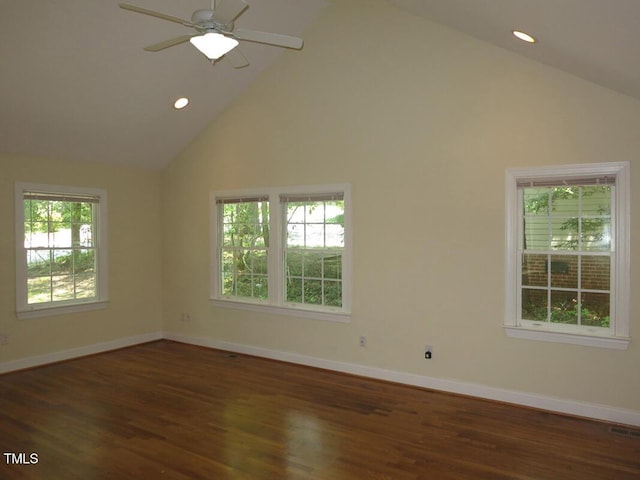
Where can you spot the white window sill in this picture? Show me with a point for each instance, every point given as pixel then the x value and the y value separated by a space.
pixel 332 316
pixel 616 343
pixel 35 312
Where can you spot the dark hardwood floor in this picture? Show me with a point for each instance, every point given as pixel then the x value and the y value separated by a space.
pixel 165 410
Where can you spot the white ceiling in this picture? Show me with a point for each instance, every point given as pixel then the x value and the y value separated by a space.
pixel 76 84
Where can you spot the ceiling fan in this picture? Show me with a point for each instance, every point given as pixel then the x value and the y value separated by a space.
pixel 216 33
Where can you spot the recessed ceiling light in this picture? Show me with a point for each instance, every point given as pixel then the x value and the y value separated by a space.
pixel 525 37
pixel 181 103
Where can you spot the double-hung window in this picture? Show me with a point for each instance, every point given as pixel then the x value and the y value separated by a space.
pixel 567 254
pixel 60 249
pixel 283 249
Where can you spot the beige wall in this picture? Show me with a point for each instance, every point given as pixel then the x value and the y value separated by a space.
pixel 422 121
pixel 135 248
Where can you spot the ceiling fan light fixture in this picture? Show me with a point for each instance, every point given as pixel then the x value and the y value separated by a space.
pixel 525 37
pixel 213 45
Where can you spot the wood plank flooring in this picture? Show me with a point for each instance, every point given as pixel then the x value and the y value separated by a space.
pixel 166 410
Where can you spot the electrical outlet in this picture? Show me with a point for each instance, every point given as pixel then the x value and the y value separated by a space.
pixel 363 340
pixel 186 317
pixel 4 339
pixel 428 352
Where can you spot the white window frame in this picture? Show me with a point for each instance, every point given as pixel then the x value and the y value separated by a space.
pixel 618 337
pixel 275 258
pixel 23 308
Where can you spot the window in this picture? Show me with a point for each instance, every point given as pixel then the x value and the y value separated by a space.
pixel 314 249
pixel 284 250
pixel 567 272
pixel 244 245
pixel 60 249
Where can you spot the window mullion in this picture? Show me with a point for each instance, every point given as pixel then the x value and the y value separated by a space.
pixel 275 255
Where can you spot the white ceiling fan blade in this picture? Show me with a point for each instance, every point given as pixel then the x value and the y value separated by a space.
pixel 269 38
pixel 153 13
pixel 156 47
pixel 228 10
pixel 236 58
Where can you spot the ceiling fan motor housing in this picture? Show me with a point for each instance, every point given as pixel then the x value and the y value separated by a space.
pixel 203 19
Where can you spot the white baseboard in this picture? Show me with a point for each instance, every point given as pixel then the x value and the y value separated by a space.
pixel 552 404
pixel 61 355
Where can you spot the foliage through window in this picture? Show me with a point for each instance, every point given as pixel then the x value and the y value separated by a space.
pixel 244 247
pixel 283 248
pixel 59 247
pixel 566 255
pixel 567 269
pixel 313 252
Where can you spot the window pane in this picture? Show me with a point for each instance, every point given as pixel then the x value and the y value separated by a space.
pixel 565 201
pixel 228 261
pixel 244 273
pixel 595 309
pixel 85 285
pixel 596 201
pixel 314 212
pixel 62 262
pixel 564 307
pixel 85 236
pixel 294 290
pixel 564 271
pixel 296 212
pixel 86 213
pixel 38 235
pixel 536 201
pixel 38 263
pixel 38 210
pixel 313 292
pixel 313 265
pixel 228 283
pixel 534 270
pixel 315 241
pixel 536 233
pixel 295 235
pixel 84 261
pixel 334 235
pixel 259 261
pixel 534 304
pixel 333 294
pixel 564 233
pixel 245 238
pixel 244 286
pixel 596 234
pixel 39 290
pixel 314 235
pixel 596 272
pixel 333 266
pixel 293 263
pixel 62 287
pixel 260 286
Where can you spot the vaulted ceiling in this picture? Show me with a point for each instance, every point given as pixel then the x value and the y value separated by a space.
pixel 75 82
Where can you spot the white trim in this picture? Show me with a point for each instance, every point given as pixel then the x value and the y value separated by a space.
pixel 59 356
pixel 526 399
pixel 61 309
pixel 337 316
pixel 275 302
pixel 23 308
pixel 620 337
pixel 567 337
